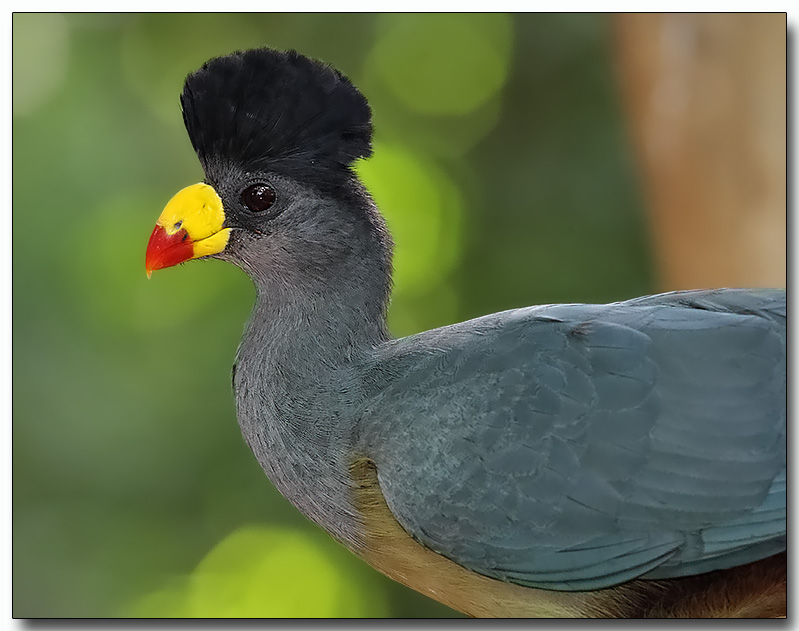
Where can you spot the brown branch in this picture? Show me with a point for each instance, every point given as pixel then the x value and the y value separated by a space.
pixel 706 99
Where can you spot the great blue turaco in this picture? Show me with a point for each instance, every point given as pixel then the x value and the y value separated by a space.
pixel 556 460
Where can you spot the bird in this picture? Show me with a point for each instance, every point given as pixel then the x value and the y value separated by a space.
pixel 566 460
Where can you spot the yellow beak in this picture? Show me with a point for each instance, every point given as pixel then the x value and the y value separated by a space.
pixel 190 227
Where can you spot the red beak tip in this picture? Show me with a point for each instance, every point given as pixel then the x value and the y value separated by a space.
pixel 166 250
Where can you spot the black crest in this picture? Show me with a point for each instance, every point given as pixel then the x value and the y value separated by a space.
pixel 265 109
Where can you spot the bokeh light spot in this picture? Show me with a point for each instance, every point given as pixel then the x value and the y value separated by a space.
pixel 263 572
pixel 40 55
pixel 444 64
pixel 423 209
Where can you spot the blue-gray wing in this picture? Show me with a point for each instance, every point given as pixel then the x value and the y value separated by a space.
pixel 575 447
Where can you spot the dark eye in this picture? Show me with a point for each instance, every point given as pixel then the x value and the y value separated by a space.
pixel 258 197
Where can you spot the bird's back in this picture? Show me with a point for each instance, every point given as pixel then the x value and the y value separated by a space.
pixel 574 447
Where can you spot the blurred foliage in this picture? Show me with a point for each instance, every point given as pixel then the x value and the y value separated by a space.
pixel 503 170
pixel 268 572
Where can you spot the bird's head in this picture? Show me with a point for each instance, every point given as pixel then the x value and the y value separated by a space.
pixel 276 134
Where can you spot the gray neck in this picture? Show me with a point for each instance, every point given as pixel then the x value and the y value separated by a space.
pixel 297 385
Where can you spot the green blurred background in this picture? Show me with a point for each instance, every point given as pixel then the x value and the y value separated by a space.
pixel 504 171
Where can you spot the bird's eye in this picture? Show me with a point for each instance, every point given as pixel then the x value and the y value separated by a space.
pixel 258 197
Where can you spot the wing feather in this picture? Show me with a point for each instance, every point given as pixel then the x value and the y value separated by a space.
pixel 578 446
